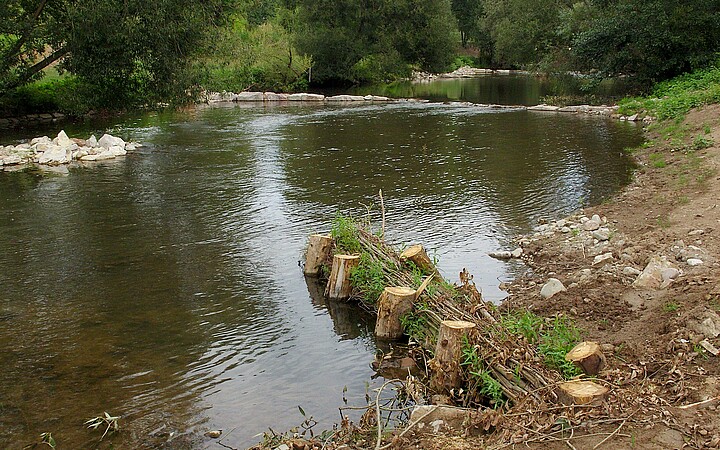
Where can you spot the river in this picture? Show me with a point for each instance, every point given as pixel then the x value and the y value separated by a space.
pixel 164 287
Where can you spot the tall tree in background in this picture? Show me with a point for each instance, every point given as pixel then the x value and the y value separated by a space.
pixel 651 39
pixel 369 40
pixel 129 52
pixel 468 14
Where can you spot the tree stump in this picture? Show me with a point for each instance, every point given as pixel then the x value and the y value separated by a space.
pixel 446 364
pixel 587 356
pixel 318 251
pixel 418 256
pixel 580 392
pixel 338 286
pixel 394 303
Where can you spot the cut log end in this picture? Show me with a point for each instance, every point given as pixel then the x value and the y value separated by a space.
pixel 418 256
pixel 588 356
pixel 339 286
pixel 318 250
pixel 394 303
pixel 581 393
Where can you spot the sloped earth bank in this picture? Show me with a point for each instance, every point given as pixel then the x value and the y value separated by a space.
pixel 641 276
pixel 656 326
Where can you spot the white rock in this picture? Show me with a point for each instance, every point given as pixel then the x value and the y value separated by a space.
pixel 116 150
pixel 551 288
pixel 601 260
pixel 565 230
pixel 249 97
pixel 694 262
pixel 517 253
pixel 55 155
pixel 500 255
pixel 107 154
pixel 108 141
pixel 696 232
pixel 596 218
pixel 11 160
pixel 88 158
pixel 41 140
pixel 63 140
pixel 91 142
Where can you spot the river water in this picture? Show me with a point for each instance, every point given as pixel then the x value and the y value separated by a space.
pixel 164 287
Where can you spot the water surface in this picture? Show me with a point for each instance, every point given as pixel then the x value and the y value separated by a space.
pixel 165 287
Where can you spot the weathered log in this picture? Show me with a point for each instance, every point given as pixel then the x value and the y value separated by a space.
pixel 394 303
pixel 318 251
pixel 580 392
pixel 338 286
pixel 446 364
pixel 587 356
pixel 418 256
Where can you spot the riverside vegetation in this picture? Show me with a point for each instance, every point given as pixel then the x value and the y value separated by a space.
pixel 74 57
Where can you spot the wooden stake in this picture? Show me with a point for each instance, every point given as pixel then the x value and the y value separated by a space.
pixel 417 255
pixel 580 392
pixel 318 251
pixel 446 364
pixel 338 286
pixel 394 303
pixel 588 357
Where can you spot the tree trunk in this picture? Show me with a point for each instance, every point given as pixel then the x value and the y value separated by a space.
pixel 394 303
pixel 446 364
pixel 338 286
pixel 318 251
pixel 417 255
pixel 588 357
pixel 581 393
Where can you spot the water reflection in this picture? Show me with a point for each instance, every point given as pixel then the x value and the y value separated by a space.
pixel 165 288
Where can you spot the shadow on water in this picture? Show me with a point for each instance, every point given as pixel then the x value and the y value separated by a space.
pixel 164 287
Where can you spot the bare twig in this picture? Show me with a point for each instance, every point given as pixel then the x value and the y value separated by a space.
pixel 382 212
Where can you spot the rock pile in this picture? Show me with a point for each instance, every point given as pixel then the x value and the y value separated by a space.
pixel 64 150
pixel 221 97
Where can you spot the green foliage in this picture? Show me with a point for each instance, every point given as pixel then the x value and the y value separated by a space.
pixel 554 338
pixel 657 160
pixel 672 99
pixel 368 278
pixel 415 324
pixel 131 53
pixel 355 41
pixel 701 142
pixel 344 232
pixel 671 307
pixel 488 387
pixel 650 39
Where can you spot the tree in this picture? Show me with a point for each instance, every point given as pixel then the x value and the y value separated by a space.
pixel 468 14
pixel 650 39
pixel 368 40
pixel 131 51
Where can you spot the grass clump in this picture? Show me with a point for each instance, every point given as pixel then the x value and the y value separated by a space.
pixel 554 338
pixel 657 160
pixel 673 99
pixel 344 232
pixel 368 278
pixel 487 386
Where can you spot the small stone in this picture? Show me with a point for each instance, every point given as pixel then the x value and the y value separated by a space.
pixel 214 434
pixel 517 253
pixel 596 218
pixel 692 262
pixel 601 235
pixel 565 230
pixel 591 225
pixel 601 260
pixel 696 232
pixel 501 255
pixel 631 271
pixel 551 288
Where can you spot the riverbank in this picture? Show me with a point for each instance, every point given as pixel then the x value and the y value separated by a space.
pixel 645 288
pixel 639 276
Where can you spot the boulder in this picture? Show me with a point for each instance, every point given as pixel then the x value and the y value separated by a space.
pixel 591 225
pixel 91 142
pixel 551 288
pixel 11 160
pixel 249 97
pixel 601 260
pixel 40 140
pixel 433 419
pixel 303 97
pixel 652 276
pixel 117 150
pixel 62 140
pixel 55 155
pixel 108 141
pixel 273 97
